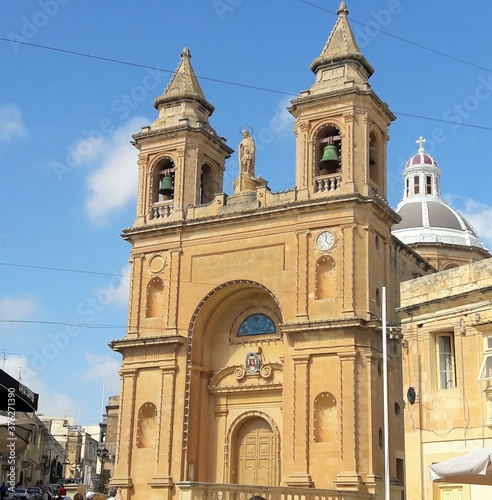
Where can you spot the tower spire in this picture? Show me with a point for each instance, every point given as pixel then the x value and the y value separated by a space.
pixel 183 101
pixel 341 46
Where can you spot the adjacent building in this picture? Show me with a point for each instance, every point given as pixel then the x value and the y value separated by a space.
pixel 447 374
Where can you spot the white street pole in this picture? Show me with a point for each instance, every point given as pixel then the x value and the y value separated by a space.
pixel 385 403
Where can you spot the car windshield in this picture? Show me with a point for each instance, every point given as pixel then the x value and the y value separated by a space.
pixel 19 490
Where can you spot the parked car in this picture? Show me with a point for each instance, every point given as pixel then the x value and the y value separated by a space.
pixel 54 490
pixel 35 492
pixel 20 493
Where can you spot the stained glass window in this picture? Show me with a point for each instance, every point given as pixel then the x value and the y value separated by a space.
pixel 256 324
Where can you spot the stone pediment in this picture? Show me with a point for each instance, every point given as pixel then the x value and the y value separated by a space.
pixel 236 378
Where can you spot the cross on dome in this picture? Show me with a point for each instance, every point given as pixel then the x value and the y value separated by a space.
pixel 420 141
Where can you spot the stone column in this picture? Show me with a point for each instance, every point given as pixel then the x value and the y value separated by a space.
pixel 348 478
pixel 302 275
pixel 164 449
pixel 173 276
pixel 348 269
pixel 126 417
pixel 300 424
pixel 136 294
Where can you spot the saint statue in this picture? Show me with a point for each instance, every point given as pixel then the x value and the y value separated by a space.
pixel 247 154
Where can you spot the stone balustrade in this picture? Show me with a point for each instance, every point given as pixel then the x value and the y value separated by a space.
pixel 212 491
pixel 327 183
pixel 162 209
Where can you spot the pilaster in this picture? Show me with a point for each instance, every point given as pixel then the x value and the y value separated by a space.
pixel 301 477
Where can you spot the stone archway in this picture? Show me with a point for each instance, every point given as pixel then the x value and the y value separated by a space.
pixel 217 378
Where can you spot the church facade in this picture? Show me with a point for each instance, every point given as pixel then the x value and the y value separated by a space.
pixel 252 362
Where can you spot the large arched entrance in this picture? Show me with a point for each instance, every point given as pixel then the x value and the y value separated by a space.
pixel 234 382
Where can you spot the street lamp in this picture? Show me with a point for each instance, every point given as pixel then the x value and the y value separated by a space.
pixel 103 476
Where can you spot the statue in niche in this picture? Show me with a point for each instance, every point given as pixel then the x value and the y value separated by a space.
pixel 247 152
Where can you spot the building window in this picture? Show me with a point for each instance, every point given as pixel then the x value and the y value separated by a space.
pixel 485 372
pixel 416 185
pixel 445 361
pixel 428 184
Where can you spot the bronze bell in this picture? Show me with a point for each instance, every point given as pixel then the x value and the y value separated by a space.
pixel 166 187
pixel 330 157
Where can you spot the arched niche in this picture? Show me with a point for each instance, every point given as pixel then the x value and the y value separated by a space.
pixel 325 278
pixel 154 298
pixel 325 418
pixel 146 426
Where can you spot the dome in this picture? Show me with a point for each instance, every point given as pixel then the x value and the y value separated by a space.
pixel 425 216
pixel 421 158
pixel 431 221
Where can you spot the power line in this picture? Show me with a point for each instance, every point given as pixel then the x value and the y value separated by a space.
pixel 265 89
pixel 63 323
pixel 420 117
pixel 46 268
pixel 144 66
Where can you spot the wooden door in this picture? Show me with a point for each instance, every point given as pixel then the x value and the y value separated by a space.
pixel 255 447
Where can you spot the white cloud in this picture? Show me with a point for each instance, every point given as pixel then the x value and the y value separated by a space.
pixel 50 402
pixel 478 214
pixel 114 183
pixel 11 124
pixel 103 367
pixel 20 308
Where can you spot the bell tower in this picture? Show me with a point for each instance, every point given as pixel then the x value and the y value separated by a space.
pixel 181 157
pixel 341 124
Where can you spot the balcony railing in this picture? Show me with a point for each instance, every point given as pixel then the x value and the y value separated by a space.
pixel 326 183
pixel 162 209
pixel 212 491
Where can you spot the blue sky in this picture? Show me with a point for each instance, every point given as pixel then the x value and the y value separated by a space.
pixel 68 171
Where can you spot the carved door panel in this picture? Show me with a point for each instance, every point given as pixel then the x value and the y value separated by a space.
pixel 256 454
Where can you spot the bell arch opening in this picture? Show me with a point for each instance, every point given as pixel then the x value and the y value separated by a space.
pixel 163 180
pixel 328 152
pixel 374 160
pixel 208 184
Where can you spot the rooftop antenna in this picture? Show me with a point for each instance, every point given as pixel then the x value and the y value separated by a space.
pixel 4 355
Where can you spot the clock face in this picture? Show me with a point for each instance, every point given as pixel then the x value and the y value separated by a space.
pixel 325 240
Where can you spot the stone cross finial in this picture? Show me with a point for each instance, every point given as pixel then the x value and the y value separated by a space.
pixel 420 141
